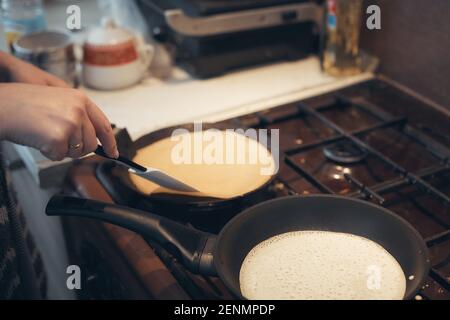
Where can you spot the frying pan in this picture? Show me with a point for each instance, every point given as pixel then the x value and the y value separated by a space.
pixel 224 254
pixel 203 212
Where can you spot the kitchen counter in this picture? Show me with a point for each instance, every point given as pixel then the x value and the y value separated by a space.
pixel 155 104
pixel 151 105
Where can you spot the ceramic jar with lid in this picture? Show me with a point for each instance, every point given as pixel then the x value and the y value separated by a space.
pixel 114 57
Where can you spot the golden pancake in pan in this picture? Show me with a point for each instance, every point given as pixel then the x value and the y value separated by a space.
pixel 220 164
pixel 321 265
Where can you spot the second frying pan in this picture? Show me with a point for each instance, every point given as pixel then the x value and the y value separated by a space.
pixel 224 254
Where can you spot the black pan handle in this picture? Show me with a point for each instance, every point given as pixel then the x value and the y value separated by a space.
pixel 121 159
pixel 193 247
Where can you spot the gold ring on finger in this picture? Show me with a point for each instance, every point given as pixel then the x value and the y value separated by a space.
pixel 75 146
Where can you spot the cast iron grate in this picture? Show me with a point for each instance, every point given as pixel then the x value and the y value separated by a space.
pixel 419 169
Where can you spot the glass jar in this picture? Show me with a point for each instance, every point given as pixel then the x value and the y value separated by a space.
pixel 343 24
pixel 21 17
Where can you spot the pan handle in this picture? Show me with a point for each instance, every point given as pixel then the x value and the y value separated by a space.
pixel 194 248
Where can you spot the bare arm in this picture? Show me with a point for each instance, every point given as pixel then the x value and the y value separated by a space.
pixel 53 120
pixel 20 71
pixel 40 111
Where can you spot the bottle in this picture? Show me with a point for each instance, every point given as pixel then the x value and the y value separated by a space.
pixel 341 56
pixel 21 17
pixel 3 43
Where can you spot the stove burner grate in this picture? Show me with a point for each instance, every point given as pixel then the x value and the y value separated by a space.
pixel 344 152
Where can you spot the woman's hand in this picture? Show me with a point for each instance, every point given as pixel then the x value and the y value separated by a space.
pixel 60 122
pixel 20 71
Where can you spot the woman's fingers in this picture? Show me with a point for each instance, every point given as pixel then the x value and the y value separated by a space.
pixel 53 81
pixel 56 143
pixel 84 140
pixel 89 137
pixel 89 123
pixel 57 121
pixel 103 129
pixel 76 143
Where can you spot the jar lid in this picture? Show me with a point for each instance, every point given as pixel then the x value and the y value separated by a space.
pixel 45 45
pixel 108 34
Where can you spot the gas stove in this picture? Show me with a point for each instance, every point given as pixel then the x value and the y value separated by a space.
pixel 370 141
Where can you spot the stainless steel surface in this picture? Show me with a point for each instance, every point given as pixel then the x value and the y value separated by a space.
pixel 51 51
pixel 151 174
pixel 163 180
pixel 243 20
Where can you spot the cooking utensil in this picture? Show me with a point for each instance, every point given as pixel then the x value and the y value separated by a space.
pixel 51 51
pixel 223 255
pixel 203 212
pixel 151 174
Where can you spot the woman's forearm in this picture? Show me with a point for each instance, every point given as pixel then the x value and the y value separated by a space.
pixel 4 110
pixel 7 61
pixel 20 71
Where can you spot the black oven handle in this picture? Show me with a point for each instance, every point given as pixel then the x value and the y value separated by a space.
pixel 194 248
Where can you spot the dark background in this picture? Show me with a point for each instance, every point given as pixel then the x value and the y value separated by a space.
pixel 414 45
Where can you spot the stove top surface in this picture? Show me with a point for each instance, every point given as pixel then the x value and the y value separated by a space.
pixel 372 142
pixel 369 141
